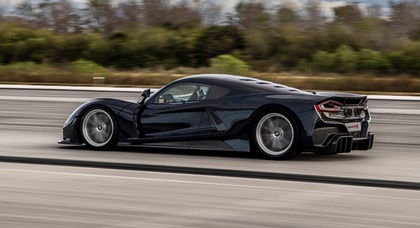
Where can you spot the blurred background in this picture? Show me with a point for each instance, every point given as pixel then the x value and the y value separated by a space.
pixel 364 45
pixel 368 46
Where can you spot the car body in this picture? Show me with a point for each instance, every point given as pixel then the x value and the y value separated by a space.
pixel 226 112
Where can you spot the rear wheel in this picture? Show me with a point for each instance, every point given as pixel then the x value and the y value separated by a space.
pixel 275 135
pixel 99 129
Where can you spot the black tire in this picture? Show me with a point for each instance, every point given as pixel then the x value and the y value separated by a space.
pixel 99 129
pixel 275 135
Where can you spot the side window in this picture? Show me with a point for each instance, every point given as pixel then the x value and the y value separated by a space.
pixel 217 92
pixel 183 93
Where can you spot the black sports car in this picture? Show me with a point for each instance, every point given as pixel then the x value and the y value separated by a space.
pixel 225 112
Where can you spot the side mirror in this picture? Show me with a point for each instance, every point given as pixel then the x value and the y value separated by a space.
pixel 145 94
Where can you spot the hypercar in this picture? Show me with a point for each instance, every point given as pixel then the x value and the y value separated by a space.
pixel 228 113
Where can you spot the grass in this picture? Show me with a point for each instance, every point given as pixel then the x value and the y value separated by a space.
pixel 73 74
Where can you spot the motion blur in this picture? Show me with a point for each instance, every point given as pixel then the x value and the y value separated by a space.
pixel 57 54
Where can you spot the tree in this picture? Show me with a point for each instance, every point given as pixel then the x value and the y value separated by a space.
pixel 155 12
pixel 407 58
pixel 348 14
pixel 372 60
pixel 181 15
pixel 252 15
pixel 405 16
pixel 375 11
pixel 131 15
pixel 103 15
pixel 217 40
pixel 63 17
pixel 314 17
pixel 70 47
pixel 346 59
pixel 324 61
pixel 210 11
pixel 19 44
pixel 26 13
pixel 287 14
pixel 227 64
pixel 1 15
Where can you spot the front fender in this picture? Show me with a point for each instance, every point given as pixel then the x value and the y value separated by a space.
pixel 70 127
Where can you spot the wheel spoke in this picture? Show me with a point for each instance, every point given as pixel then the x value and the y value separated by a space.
pixel 286 140
pixel 275 145
pixel 102 118
pixel 91 122
pixel 94 118
pixel 284 125
pixel 269 142
pixel 101 137
pixel 277 122
pixel 92 130
pixel 270 124
pixel 283 143
pixel 106 134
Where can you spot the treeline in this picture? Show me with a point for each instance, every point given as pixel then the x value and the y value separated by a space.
pixel 154 33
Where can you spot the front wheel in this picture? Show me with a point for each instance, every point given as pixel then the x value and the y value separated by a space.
pixel 99 129
pixel 275 135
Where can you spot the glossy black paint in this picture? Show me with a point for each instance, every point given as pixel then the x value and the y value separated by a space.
pixel 222 121
pixel 166 120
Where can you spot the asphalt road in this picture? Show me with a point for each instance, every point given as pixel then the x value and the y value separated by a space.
pixel 51 196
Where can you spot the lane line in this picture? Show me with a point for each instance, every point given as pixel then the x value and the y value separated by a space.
pixel 74 88
pixel 205 183
pixel 49 99
pixel 79 88
pixel 217 172
pixel 44 99
pixel 394 111
pixel 394 98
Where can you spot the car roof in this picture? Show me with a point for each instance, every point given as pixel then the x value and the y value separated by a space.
pixel 244 82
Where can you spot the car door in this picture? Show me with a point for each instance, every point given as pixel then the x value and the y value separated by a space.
pixel 175 112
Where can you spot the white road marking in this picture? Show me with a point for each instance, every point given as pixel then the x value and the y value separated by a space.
pixel 78 88
pixel 210 183
pixel 48 99
pixel 43 99
pixel 73 88
pixel 394 98
pixel 394 111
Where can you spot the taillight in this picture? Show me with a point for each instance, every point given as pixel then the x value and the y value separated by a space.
pixel 364 105
pixel 336 110
pixel 329 106
pixel 330 109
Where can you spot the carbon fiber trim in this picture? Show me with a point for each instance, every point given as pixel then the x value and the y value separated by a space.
pixel 355 134
pixel 320 134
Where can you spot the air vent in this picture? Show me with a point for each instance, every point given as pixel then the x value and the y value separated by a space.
pixel 280 87
pixel 263 83
pixel 247 79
